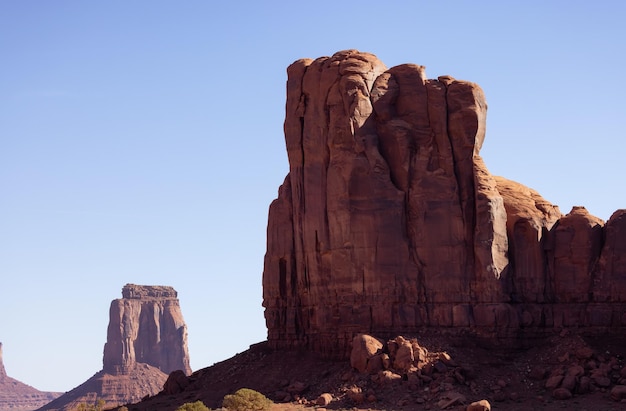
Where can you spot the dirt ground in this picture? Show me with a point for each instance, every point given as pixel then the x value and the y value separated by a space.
pixel 509 380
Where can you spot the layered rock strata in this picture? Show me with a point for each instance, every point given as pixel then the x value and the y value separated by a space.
pixel 389 221
pixel 146 340
pixel 17 396
pixel 146 326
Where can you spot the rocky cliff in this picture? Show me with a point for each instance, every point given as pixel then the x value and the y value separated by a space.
pixel 146 326
pixel 146 340
pixel 389 221
pixel 17 396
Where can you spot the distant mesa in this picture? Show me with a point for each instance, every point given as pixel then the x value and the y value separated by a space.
pixel 389 222
pixel 17 396
pixel 146 326
pixel 146 340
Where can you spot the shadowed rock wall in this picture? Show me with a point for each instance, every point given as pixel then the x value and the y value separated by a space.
pixel 389 221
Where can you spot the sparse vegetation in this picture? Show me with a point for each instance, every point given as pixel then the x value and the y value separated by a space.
pixel 193 406
pixel 246 399
pixel 98 406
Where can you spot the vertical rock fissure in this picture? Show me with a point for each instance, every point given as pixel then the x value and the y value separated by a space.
pixel 282 278
pixel 548 265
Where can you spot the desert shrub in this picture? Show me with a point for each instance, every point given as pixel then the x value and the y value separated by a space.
pixel 98 406
pixel 246 399
pixel 193 406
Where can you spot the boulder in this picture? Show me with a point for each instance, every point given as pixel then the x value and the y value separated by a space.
pixel 356 395
pixel 403 360
pixel 388 377
pixel 482 405
pixel 569 382
pixel 364 347
pixel 584 385
pixel 584 353
pixel 562 394
pixel 419 352
pixel 618 393
pixel 324 399
pixel 445 358
pixel 553 382
pixel 378 363
pixel 601 381
pixel 450 398
pixel 575 370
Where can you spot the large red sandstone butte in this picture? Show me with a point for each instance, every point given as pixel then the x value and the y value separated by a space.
pixel 146 340
pixel 390 223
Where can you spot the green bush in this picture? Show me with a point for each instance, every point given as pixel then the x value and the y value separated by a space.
pixel 246 399
pixel 193 406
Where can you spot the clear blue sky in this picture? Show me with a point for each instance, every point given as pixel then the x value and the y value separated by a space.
pixel 141 142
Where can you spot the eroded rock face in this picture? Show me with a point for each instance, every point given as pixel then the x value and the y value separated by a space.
pixel 146 326
pixel 389 221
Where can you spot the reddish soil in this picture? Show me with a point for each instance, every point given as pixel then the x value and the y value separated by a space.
pixel 509 380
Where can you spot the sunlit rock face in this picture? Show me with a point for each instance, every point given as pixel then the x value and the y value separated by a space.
pixel 389 221
pixel 146 326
